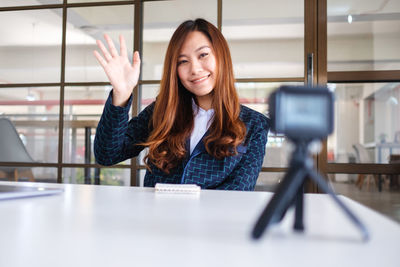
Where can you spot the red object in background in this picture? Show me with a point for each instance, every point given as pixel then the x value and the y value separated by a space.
pixel 331 156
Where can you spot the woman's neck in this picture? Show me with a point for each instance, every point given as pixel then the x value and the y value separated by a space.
pixel 205 102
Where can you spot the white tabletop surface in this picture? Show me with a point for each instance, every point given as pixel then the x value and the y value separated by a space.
pixel 90 225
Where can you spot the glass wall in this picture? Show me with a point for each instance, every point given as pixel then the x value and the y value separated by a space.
pixel 255 96
pixel 28 174
pixel 363 35
pixel 148 93
pixel 30 50
pixel 268 181
pixel 103 176
pixel 32 55
pixel 367 123
pixel 83 106
pixel 10 3
pixel 363 61
pixel 90 1
pixel 33 113
pixel 85 26
pixel 266 38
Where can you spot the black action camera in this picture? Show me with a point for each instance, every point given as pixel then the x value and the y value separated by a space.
pixel 302 113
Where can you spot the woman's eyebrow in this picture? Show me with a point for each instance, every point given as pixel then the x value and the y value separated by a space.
pixel 201 47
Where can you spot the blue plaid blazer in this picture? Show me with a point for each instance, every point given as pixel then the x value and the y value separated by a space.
pixel 116 137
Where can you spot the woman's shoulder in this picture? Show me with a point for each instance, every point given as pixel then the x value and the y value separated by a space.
pixel 252 117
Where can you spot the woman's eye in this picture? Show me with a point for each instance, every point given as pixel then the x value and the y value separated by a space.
pixel 181 62
pixel 203 54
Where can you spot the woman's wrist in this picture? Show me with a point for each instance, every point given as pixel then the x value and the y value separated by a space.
pixel 120 100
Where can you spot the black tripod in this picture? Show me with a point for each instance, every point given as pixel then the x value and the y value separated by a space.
pixel 290 192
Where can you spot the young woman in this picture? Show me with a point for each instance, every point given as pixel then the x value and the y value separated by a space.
pixel 196 130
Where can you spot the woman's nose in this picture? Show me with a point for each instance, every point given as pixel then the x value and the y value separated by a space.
pixel 196 67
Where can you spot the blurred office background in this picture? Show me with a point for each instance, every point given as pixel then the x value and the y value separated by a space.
pixel 53 90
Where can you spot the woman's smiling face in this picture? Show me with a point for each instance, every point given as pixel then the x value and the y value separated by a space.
pixel 197 67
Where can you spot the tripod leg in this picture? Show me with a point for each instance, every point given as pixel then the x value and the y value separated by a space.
pixel 298 217
pixel 325 187
pixel 297 202
pixel 281 200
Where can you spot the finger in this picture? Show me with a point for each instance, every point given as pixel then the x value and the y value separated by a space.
pixel 111 46
pixel 123 51
pixel 136 60
pixel 100 59
pixel 104 50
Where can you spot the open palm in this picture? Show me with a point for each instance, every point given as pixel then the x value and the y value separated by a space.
pixel 122 75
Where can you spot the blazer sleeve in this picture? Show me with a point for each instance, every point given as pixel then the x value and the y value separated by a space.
pixel 116 137
pixel 245 174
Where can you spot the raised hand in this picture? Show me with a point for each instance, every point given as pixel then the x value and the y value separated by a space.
pixel 122 75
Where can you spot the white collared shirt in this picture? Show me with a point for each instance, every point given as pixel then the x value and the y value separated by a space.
pixel 202 121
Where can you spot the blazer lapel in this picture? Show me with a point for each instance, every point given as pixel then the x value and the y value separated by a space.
pixel 199 148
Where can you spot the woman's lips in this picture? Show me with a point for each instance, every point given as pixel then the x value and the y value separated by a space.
pixel 199 80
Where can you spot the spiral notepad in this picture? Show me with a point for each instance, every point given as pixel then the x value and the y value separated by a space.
pixel 177 188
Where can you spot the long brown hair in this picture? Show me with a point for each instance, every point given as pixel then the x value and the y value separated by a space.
pixel 172 121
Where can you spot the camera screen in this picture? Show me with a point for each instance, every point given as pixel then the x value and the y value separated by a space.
pixel 305 111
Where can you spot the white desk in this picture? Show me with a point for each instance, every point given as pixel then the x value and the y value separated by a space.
pixel 92 225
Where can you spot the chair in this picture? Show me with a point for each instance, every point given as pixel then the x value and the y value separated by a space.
pixel 362 156
pixel 13 150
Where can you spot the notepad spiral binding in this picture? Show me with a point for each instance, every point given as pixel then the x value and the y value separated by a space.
pixel 177 188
